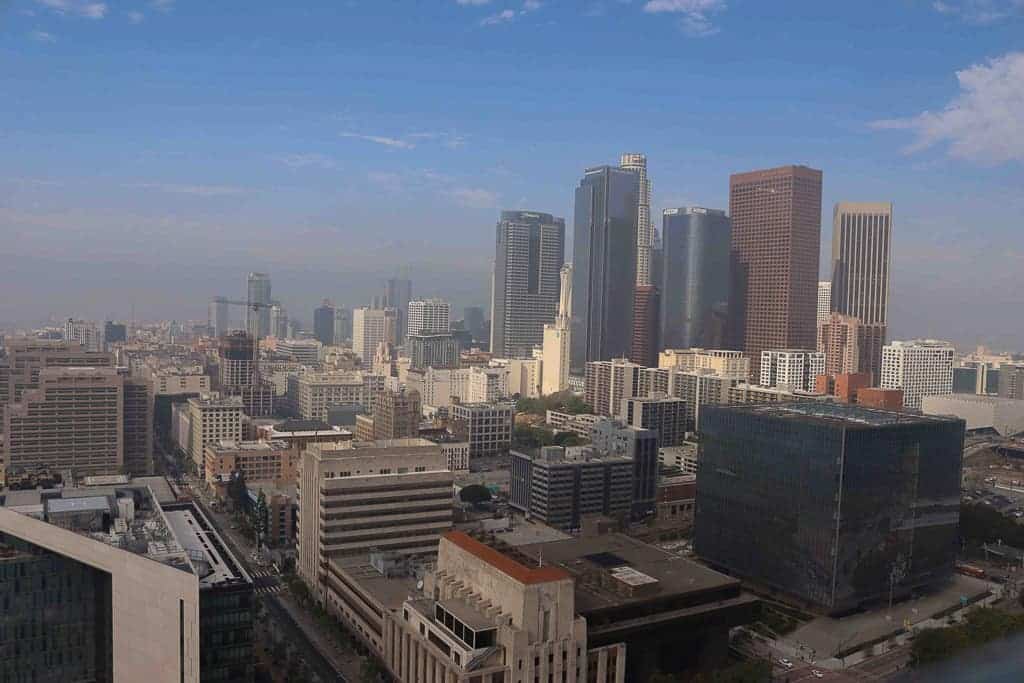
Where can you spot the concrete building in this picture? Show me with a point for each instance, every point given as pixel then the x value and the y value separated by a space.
pixel 695 277
pixel 174 381
pixel 607 382
pixel 920 368
pixel 754 393
pixel 358 497
pixel 212 419
pixel 1004 415
pixel 557 340
pixel 529 251
pixel 641 447
pixel 885 399
pixel 154 596
pixel 323 323
pixel 300 350
pixel 665 415
pixel 776 234
pixel 397 295
pixel 861 256
pixel 432 350
pixel 83 332
pixel 267 461
pixel 137 418
pixel 604 264
pixel 793 368
pixel 396 414
pixel 440 387
pixel 1011 381
pixel 824 306
pixel 298 434
pixel 524 375
pixel 848 346
pixel 486 426
pixel 560 486
pixel 719 361
pixel 637 163
pixel 429 316
pixel 314 393
pixel 845 387
pixel 257 313
pixel 370 328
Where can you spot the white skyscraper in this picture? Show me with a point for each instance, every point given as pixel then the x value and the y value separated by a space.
pixel 922 367
pixel 555 367
pixel 644 230
pixel 824 305
pixel 371 327
pixel 429 316
pixel 795 368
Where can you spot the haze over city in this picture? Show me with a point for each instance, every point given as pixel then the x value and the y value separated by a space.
pixel 155 152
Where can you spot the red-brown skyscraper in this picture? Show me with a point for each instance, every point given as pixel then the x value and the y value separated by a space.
pixel 646 305
pixel 776 235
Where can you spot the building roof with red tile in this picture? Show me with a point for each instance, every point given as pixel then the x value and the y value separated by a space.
pixel 504 563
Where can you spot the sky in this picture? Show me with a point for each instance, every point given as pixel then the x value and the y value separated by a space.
pixel 152 152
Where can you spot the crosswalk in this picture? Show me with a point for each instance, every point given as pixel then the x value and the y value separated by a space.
pixel 268 590
pixel 262 572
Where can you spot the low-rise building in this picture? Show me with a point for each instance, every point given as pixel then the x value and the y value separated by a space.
pixel 271 461
pixel 300 433
pixel 666 415
pixel 486 426
pixel 1004 415
pixel 641 447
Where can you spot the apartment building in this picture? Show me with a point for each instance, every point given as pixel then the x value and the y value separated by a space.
pixel 923 367
pixel 794 368
pixel 312 394
pixel 486 426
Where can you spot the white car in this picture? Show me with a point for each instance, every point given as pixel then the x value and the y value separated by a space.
pixel 817 674
pixel 786 663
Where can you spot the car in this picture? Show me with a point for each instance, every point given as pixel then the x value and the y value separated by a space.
pixel 785 662
pixel 817 674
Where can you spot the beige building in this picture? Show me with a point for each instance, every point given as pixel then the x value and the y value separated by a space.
pixel 212 419
pixel 524 376
pixel 172 381
pixel 486 426
pixel 314 392
pixel 356 497
pixel 272 461
pixel 439 387
pixel 370 328
pixel 396 414
pixel 719 361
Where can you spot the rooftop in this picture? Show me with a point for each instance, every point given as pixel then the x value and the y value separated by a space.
pixel 304 426
pixel 836 414
pixel 504 563
pixel 389 591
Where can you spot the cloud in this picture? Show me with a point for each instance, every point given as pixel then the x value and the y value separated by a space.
pixel 313 160
pixel 472 3
pixel 474 197
pixel 79 8
pixel 694 14
pixel 136 17
pixel 162 5
pixel 984 123
pixel 501 17
pixel 980 12
pixel 380 140
pixel 195 190
pixel 42 37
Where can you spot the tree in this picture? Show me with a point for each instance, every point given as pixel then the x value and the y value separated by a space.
pixel 238 491
pixel 261 517
pixel 475 494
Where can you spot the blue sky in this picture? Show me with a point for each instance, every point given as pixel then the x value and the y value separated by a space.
pixel 152 152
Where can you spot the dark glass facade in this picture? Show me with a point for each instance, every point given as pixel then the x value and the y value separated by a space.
pixel 694 278
pixel 833 504
pixel 225 633
pixel 55 617
pixel 323 324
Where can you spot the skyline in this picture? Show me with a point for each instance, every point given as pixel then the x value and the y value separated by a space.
pixel 332 153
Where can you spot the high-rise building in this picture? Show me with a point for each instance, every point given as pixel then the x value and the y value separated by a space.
pixel 323 323
pixel 529 251
pixel 83 332
pixel 211 419
pixel 637 163
pixel 237 360
pixel 829 507
pixel 694 277
pixel 607 382
pixel 396 414
pixel 114 333
pixel 923 367
pixel 555 354
pixel 849 346
pixel 429 316
pixel 342 324
pixel 280 325
pixel 1011 381
pixel 137 421
pixel 257 313
pixel 219 317
pixel 397 295
pixel 824 305
pixel 604 264
pixel 776 235
pixel 432 350
pixel 792 368
pixel 664 415
pixel 370 328
pixel 646 307
pixel 474 318
pixel 861 252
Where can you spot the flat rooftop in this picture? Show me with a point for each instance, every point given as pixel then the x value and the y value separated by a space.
pixel 634 560
pixel 389 591
pixel 213 562
pixel 836 414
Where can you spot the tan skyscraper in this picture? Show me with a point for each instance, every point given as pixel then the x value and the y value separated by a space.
pixel 776 235
pixel 555 369
pixel 861 248
pixel 637 163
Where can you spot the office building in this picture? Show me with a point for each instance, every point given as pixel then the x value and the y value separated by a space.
pixel 783 393
pixel 370 328
pixel 884 399
pixel 114 333
pixel 694 277
pixel 557 340
pixel 529 251
pixel 664 415
pixel 306 351
pixel 440 387
pixel 646 305
pixel 607 382
pixel 429 316
pixel 604 264
pixel 280 327
pixel 84 333
pixel 792 368
pixel 266 461
pixel 829 505
pixel 1011 381
pixel 977 377
pixel 637 163
pixel 257 313
pixel 237 360
pixel 824 305
pixel 396 414
pixel 473 316
pixel 719 361
pixel 298 434
pixel 641 447
pixel 397 295
pixel 342 325
pixel 114 586
pixel 486 426
pixel 923 367
pixel 560 486
pixel 776 235
pixel 1005 416
pixel 438 350
pixel 211 419
pixel 313 394
pixel 861 254
pixel 219 318
pixel 849 346
pixel 323 323
pixel 137 419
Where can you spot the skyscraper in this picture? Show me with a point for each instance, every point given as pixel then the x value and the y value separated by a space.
pixel 923 367
pixel 861 247
pixel 529 251
pixel 219 318
pixel 776 235
pixel 257 320
pixel 646 305
pixel 323 323
pixel 604 264
pixel 555 370
pixel 695 277
pixel 397 294
pixel 637 163
pixel 824 305
pixel 429 316
pixel 371 327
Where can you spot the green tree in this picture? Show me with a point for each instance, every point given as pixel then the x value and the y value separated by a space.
pixel 475 494
pixel 261 517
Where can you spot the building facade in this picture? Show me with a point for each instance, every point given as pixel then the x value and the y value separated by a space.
pixel 824 305
pixel 665 415
pixel 429 316
pixel 486 426
pixel 396 414
pixel 793 368
pixel 919 368
pixel 397 295
pixel 370 328
pixel 646 309
pixel 557 340
pixel 640 446
pixel 212 419
pixel 432 350
pixel 323 323
pixel 258 297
